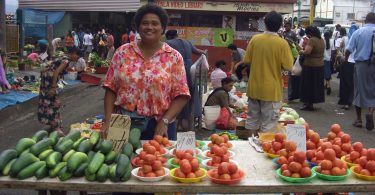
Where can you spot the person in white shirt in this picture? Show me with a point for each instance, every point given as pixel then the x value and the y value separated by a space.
pixel 327 60
pixel 76 63
pixel 218 74
pixel 56 43
pixel 87 43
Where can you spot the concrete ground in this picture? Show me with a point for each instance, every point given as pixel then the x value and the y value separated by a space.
pixel 83 101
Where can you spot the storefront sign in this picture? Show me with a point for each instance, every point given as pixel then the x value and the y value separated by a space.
pixel 225 6
pixel 244 35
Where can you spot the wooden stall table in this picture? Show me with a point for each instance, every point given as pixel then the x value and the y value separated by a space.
pixel 260 178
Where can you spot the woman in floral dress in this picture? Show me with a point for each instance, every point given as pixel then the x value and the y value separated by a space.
pixel 49 101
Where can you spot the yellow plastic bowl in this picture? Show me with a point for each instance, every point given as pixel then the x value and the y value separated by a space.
pixel 272 155
pixel 188 180
pixel 348 163
pixel 266 137
pixel 360 176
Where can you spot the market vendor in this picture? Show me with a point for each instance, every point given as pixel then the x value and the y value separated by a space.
pixel 147 79
pixel 220 96
pixel 77 63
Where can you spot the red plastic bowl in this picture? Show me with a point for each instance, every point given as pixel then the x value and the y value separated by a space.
pixel 225 182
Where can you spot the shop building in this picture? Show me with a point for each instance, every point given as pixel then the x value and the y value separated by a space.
pixel 212 25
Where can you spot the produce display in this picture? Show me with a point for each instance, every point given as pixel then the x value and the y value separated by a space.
pixel 366 164
pixel 46 155
pixel 85 154
pixel 220 140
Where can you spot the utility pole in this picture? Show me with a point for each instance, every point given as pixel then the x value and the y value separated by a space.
pixel 2 26
pixel 312 10
pixel 299 11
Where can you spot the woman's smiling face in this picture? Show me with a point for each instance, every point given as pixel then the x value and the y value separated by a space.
pixel 150 28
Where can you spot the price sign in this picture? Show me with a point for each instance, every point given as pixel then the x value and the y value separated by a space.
pixel 186 140
pixel 297 133
pixel 118 132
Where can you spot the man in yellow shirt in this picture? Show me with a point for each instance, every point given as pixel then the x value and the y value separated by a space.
pixel 268 55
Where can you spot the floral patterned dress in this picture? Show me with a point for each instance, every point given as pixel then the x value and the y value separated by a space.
pixel 49 106
pixel 146 86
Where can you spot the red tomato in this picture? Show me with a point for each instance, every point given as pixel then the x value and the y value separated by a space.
pixel 336 128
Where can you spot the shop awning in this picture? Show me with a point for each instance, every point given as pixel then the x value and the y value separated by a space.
pixel 82 5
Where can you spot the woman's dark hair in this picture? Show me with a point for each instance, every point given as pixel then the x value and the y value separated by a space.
pixel 171 34
pixel 69 33
pixel 313 31
pixel 154 9
pixel 273 21
pixel 301 32
pixel 220 63
pixel 232 46
pixel 227 80
pixel 342 32
pixel 327 38
pixel 239 70
pixel 75 50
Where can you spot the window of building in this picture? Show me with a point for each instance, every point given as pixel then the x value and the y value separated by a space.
pixel 350 16
pixel 205 20
pixel 337 14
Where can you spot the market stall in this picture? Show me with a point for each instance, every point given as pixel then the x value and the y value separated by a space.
pixel 260 178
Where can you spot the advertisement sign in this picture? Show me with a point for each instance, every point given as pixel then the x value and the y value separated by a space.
pixel 223 37
pixel 218 37
pixel 229 21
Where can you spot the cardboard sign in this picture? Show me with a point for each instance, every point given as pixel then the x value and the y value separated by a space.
pixel 186 140
pixel 297 133
pixel 118 132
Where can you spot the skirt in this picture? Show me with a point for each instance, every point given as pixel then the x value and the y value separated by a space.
pixel 312 85
pixel 293 87
pixel 346 91
pixel 364 85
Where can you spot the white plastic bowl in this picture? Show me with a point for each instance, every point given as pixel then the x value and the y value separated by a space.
pixel 204 163
pixel 198 152
pixel 203 154
pixel 139 150
pixel 150 179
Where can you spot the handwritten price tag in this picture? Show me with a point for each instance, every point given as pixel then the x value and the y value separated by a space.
pixel 118 132
pixel 186 140
pixel 297 133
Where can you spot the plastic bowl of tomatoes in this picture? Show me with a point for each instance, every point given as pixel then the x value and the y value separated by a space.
pixel 214 176
pixel 175 175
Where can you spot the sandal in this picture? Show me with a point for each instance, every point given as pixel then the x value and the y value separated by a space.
pixel 369 122
pixel 357 123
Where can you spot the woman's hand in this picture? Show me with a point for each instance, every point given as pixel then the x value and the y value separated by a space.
pixel 300 52
pixel 104 130
pixel 161 129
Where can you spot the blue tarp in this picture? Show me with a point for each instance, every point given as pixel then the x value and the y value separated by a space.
pixel 14 97
pixel 35 21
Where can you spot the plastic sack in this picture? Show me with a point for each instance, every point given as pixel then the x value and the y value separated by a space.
pixel 202 61
pixel 211 114
pixel 225 121
pixel 297 69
